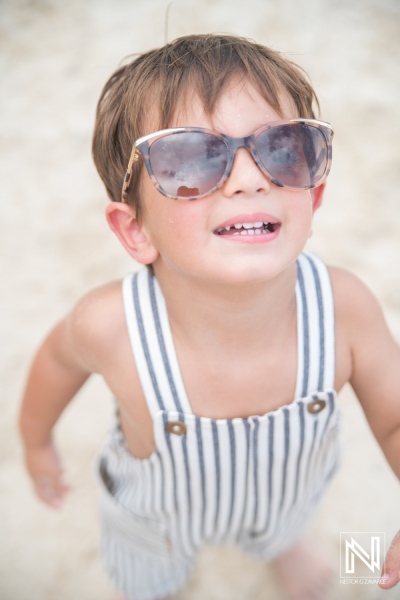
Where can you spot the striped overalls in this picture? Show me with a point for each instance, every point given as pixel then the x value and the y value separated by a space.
pixel 252 481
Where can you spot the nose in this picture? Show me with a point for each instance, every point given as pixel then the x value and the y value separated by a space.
pixel 246 177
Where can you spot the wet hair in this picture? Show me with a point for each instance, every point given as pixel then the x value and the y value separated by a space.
pixel 150 89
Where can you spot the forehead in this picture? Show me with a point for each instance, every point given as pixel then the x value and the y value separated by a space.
pixel 238 111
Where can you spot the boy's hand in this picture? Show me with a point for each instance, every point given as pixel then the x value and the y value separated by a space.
pixel 391 566
pixel 44 467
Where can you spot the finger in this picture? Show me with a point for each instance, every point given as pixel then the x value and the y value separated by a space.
pixel 391 567
pixel 388 581
pixel 51 490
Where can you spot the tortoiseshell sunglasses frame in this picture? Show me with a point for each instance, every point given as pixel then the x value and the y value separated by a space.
pixel 142 147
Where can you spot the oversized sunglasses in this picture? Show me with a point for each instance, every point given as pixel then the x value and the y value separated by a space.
pixel 190 162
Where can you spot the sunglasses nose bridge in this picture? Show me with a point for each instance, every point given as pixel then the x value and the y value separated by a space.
pixel 247 142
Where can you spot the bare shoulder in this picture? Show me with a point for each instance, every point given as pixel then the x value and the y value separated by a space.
pixel 361 330
pixel 355 303
pixel 98 302
pixel 375 355
pixel 96 324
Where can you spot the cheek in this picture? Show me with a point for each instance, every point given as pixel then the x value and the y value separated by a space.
pixel 171 224
pixel 179 229
pixel 302 207
pixel 182 226
pixel 300 213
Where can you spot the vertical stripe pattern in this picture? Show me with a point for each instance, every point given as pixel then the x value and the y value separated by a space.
pixel 253 481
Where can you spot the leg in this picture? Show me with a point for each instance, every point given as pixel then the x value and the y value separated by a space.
pixel 303 572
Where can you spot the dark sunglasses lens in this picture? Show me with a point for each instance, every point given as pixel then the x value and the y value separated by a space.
pixel 188 164
pixel 293 154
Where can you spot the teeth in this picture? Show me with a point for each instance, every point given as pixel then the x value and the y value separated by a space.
pixel 256 228
pixel 252 225
pixel 252 232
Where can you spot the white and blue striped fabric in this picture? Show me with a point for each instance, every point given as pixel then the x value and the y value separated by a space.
pixel 252 481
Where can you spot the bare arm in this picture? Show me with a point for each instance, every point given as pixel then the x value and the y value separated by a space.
pixel 375 358
pixel 65 360
pixel 54 379
pixel 375 379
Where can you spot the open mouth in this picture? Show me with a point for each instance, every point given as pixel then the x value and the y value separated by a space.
pixel 257 228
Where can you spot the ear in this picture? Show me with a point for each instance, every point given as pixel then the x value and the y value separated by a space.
pixel 317 195
pixel 122 219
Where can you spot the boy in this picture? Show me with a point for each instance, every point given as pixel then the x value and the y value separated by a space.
pixel 226 354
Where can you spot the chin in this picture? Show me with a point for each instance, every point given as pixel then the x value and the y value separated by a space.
pixel 241 274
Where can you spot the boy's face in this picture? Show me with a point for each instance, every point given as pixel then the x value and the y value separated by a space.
pixel 187 233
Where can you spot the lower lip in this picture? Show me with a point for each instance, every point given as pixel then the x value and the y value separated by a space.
pixel 260 238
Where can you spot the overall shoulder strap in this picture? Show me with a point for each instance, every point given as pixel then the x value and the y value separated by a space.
pixel 315 326
pixel 152 343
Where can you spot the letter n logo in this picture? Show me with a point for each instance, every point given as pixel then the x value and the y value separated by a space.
pixel 371 560
pixel 361 553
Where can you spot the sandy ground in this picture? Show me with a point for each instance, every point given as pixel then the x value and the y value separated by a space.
pixel 55 245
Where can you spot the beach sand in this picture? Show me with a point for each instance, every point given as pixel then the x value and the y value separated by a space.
pixel 55 245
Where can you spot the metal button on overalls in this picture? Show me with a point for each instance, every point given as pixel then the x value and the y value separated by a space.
pixel 316 406
pixel 176 427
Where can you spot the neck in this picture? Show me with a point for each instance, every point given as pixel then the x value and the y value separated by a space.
pixel 234 314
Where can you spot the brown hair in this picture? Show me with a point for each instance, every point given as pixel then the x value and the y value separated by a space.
pixel 156 84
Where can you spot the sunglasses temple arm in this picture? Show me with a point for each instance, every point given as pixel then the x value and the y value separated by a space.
pixel 127 178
